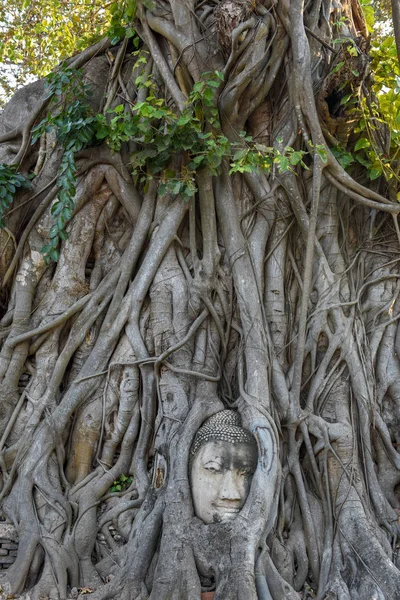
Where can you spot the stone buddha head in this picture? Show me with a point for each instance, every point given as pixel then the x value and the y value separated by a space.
pixel 223 458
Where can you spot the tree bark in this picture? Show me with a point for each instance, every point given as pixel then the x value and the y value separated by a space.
pixel 272 292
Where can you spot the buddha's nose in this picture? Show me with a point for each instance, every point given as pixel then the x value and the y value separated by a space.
pixel 229 487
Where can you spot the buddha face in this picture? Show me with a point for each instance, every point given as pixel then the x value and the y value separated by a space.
pixel 220 475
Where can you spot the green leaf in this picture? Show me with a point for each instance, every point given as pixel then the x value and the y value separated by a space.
pixel 162 189
pixel 283 163
pixel 54 255
pixel 10 180
pixel 363 161
pixel 184 119
pixel 337 67
pixel 239 154
pixel 374 173
pixel 344 158
pixel 53 232
pixel 345 99
pixel 175 187
pixel 362 143
pixel 295 157
pixel 46 249
pixel 214 84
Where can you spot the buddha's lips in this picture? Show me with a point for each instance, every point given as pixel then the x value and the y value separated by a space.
pixel 227 509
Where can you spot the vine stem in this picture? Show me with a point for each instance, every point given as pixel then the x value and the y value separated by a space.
pixel 52 324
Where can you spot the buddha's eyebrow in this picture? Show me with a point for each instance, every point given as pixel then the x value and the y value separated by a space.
pixel 217 459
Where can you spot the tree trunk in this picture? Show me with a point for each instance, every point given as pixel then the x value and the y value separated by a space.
pixel 274 293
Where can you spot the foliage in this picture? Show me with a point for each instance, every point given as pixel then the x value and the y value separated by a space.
pixel 75 127
pixel 36 36
pixel 265 158
pixel 370 9
pixel 386 71
pixel 59 28
pixel 159 133
pixel 121 484
pixel 122 17
pixel 10 180
pixel 195 135
pixel 374 109
pixel 272 302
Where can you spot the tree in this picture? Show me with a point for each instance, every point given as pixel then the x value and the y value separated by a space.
pixel 35 36
pixel 203 216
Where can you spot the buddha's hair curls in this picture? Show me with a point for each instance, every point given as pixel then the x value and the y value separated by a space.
pixel 223 426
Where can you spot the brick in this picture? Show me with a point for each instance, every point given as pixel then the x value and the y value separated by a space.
pixel 9 545
pixel 7 560
pixel 13 553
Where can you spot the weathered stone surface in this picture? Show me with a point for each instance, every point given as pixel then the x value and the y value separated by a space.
pixel 7 560
pixel 8 532
pixel 9 545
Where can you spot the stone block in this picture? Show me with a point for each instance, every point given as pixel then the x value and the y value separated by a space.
pixel 9 545
pixel 7 560
pixel 8 532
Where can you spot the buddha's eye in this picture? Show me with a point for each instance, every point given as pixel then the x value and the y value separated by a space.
pixel 213 468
